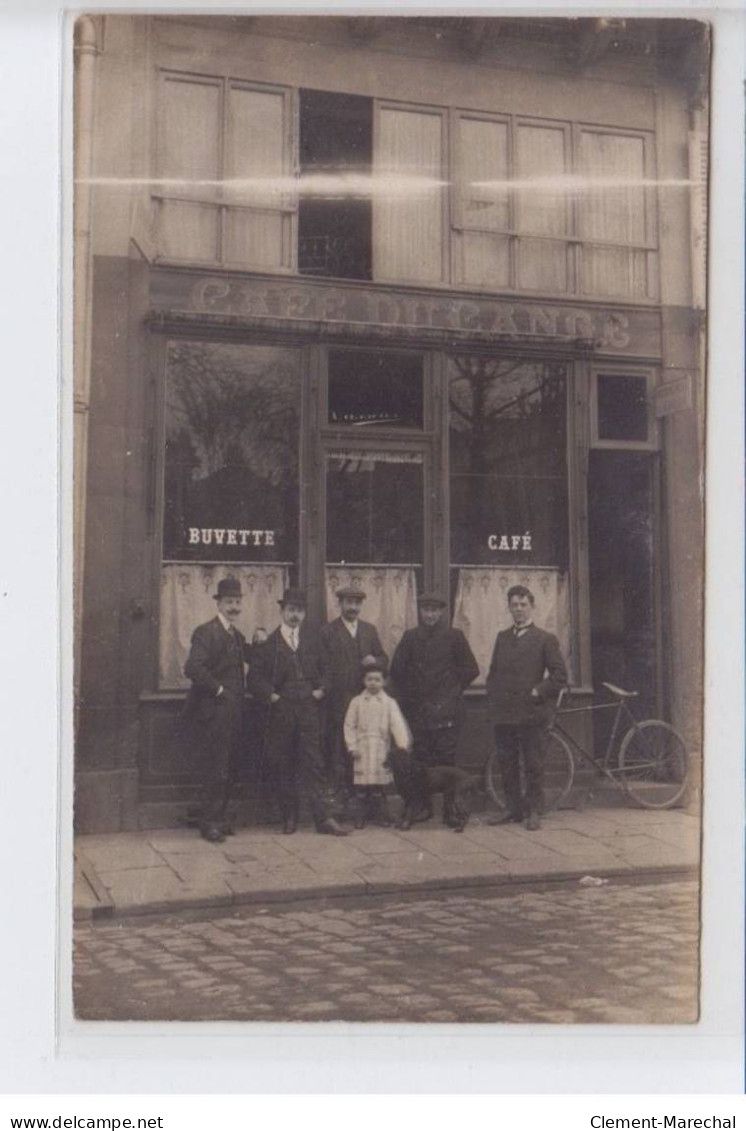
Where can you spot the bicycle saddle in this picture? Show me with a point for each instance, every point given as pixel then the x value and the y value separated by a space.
pixel 619 692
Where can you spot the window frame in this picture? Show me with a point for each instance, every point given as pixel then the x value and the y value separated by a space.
pixel 288 211
pixel 445 196
pixel 652 443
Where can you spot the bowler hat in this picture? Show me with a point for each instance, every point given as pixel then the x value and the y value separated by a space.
pixel 431 599
pixel 293 597
pixel 348 591
pixel 228 587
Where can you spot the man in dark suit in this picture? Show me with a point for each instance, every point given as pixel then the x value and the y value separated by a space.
pixel 215 701
pixel 346 644
pixel 432 667
pixel 526 674
pixel 286 676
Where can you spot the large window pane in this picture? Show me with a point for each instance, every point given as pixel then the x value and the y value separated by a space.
pixel 508 462
pixel 189 139
pixel 256 150
pixel 541 195
pixel 621 564
pixel 370 389
pixel 374 504
pixel 613 205
pixel 483 153
pixel 408 211
pixel 232 441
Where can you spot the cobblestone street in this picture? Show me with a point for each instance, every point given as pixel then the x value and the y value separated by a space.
pixel 618 953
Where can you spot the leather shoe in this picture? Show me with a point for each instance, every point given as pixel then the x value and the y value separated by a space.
pixel 504 819
pixel 213 833
pixel 332 828
pixel 532 822
pixel 227 829
pixel 289 826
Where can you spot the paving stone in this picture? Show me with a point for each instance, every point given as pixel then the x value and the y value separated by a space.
pixel 118 854
pixel 359 963
pixel 159 888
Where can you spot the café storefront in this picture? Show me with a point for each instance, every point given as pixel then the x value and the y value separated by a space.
pixel 332 436
pixel 456 391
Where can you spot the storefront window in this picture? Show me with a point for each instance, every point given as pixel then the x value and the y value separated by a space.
pixel 374 507
pixel 509 502
pixel 622 407
pixel 231 474
pixel 231 487
pixel 375 389
pixel 508 462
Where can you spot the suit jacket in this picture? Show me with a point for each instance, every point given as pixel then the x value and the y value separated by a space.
pixel 519 664
pixel 273 665
pixel 215 660
pixel 431 669
pixel 341 655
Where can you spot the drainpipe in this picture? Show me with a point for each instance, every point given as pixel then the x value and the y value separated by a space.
pixel 86 49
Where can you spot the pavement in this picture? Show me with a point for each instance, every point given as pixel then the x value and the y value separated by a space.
pixel 622 953
pixel 170 870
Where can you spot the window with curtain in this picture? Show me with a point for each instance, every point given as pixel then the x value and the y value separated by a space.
pixel 374 507
pixel 542 207
pixel 508 494
pixel 409 200
pixel 614 216
pixel 483 202
pixel 508 461
pixel 231 486
pixel 224 166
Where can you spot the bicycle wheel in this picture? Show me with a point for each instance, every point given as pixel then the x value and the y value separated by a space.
pixel 653 764
pixel 559 771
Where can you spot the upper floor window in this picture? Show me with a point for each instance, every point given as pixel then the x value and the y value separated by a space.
pixel 345 186
pixel 224 173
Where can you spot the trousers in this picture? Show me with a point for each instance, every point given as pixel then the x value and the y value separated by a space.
pixel 516 745
pixel 293 753
pixel 220 746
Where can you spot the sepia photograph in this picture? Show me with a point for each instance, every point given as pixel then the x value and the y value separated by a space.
pixel 389 344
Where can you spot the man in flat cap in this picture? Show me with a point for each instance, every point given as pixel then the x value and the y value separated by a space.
pixel 347 643
pixel 432 667
pixel 287 677
pixel 215 701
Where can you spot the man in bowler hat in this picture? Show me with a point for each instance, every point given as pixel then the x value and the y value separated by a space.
pixel 347 643
pixel 431 668
pixel 286 676
pixel 526 674
pixel 215 701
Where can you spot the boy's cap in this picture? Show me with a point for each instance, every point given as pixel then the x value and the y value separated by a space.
pixel 372 666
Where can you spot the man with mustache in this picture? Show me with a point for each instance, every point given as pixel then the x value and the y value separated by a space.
pixel 286 676
pixel 215 701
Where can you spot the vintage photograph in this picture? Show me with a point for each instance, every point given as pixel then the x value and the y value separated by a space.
pixel 389 404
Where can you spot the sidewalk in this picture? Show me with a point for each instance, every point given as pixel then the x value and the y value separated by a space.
pixel 174 869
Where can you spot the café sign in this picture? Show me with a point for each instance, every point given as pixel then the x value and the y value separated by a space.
pixel 627 331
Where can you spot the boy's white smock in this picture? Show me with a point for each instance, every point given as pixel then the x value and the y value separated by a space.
pixel 372 724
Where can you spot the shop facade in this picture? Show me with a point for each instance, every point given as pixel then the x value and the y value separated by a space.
pixel 397 304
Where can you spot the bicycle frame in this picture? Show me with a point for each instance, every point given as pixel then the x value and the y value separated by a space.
pixel 602 765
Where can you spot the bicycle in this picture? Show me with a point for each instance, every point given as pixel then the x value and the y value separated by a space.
pixel 651 768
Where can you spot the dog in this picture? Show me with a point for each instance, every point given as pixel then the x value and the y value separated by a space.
pixel 416 783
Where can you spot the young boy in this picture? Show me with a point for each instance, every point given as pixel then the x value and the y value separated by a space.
pixel 372 723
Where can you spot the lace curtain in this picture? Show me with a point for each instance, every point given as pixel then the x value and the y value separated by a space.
pixel 187 600
pixel 481 606
pixel 391 602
